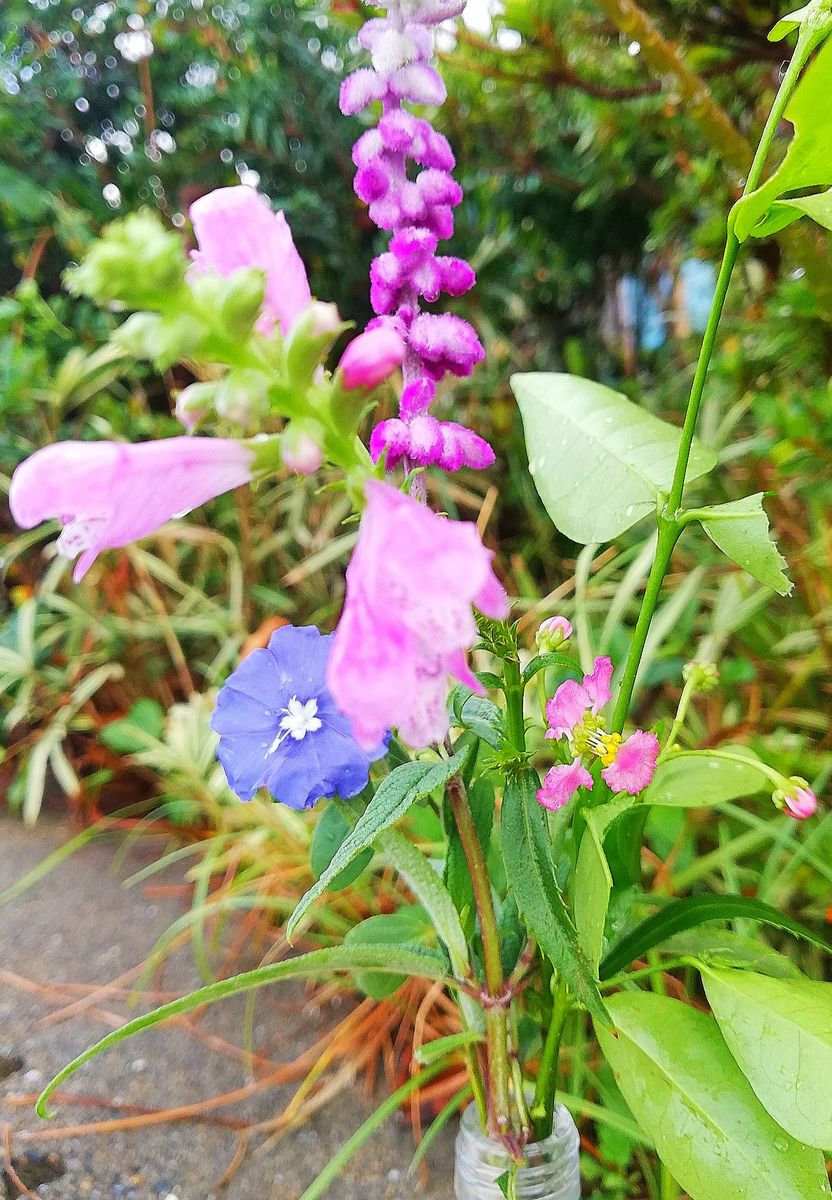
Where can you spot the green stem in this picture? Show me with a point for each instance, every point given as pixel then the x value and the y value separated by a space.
pixel 669 524
pixel 496 1017
pixel 668 536
pixel 543 1105
pixel 681 714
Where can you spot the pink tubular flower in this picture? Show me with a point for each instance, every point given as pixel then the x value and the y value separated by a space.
pixel 408 619
pixel 236 228
pixel 371 358
pixel 107 494
pixel 574 712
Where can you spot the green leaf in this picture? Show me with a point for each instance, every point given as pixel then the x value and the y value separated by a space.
pixel 144 723
pixel 783 213
pixel 424 963
pixel 693 911
pixel 543 661
pixel 780 1033
pixel 699 778
pixel 527 851
pixel 395 794
pixel 789 23
pixel 808 160
pixel 479 715
pixel 440 1048
pixel 678 1077
pixel 404 929
pixel 330 834
pixel 724 948
pixel 593 878
pixel 599 462
pixel 741 530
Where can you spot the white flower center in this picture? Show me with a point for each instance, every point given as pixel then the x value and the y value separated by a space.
pixel 299 719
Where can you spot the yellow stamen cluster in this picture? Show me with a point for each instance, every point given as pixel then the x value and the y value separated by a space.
pixel 605 745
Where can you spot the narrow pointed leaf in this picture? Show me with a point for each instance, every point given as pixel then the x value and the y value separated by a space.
pixel 395 794
pixel 527 852
pixel 691 912
pixel 424 963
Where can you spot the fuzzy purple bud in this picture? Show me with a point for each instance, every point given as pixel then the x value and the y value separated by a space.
pixel 404 176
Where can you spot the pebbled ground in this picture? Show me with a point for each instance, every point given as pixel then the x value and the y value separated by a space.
pixel 81 925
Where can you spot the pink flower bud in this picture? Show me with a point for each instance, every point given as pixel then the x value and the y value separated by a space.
pixel 324 319
pixel 300 452
pixel 371 358
pixel 553 634
pixel 798 798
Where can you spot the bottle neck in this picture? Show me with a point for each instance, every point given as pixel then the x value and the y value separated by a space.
pixel 550 1169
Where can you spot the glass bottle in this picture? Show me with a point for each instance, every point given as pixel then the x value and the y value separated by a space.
pixel 550 1170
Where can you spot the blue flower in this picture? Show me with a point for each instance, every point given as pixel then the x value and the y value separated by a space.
pixel 279 727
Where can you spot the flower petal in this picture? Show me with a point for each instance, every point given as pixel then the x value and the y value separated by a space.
pixel 561 784
pixel 634 765
pixel 597 685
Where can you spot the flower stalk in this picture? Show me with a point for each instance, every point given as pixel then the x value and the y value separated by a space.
pixel 671 519
pixel 496 1007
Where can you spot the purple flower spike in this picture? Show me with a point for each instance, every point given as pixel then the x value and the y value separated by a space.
pixel 404 176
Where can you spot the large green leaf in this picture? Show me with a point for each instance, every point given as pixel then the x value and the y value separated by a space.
pixel 741 530
pixel 424 963
pixel 691 912
pixel 684 1088
pixel 698 778
pixel 593 878
pixel 527 851
pixel 808 160
pixel 599 462
pixel 395 794
pixel 780 1033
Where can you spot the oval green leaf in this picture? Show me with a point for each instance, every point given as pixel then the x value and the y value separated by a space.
pixel 684 1088
pixel 699 778
pixel 741 530
pixel 780 1033
pixel 599 462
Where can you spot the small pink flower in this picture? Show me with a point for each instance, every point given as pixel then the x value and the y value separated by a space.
pixel 572 700
pixel 799 798
pixel 561 784
pixel 574 712
pixel 235 227
pixel 634 764
pixel 552 634
pixel 107 494
pixel 408 618
pixel 371 358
